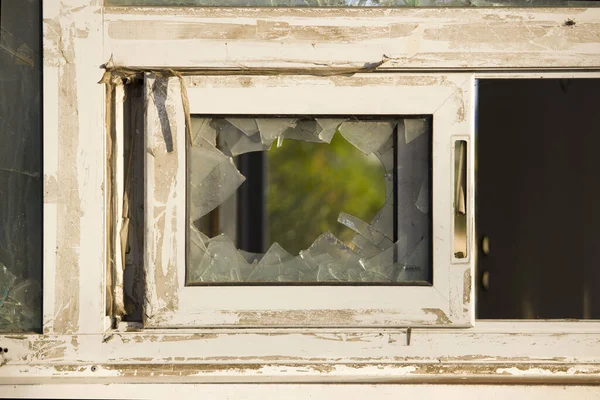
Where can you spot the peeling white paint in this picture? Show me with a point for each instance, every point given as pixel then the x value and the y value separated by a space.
pixel 80 35
pixel 312 391
pixel 413 38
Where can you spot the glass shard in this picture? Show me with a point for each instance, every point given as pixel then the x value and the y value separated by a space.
pixel 20 301
pixel 213 177
pixel 247 125
pixel 384 267
pixel 423 199
pixel 365 230
pixel 327 249
pixel 272 128
pixel 196 252
pixel 367 136
pixel 305 130
pixel 6 282
pixel 223 262
pixel 239 143
pixel 275 256
pixel 364 248
pixel 413 128
pixel 251 258
pixel 384 220
pixel 202 128
pixel 329 127
pixel 335 272
pixel 28 294
pixel 415 268
pixel 278 265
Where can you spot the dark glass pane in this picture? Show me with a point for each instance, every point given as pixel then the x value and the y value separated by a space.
pixel 537 199
pixel 20 166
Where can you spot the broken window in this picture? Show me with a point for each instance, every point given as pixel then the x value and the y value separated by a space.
pixel 20 167
pixel 392 247
pixel 222 151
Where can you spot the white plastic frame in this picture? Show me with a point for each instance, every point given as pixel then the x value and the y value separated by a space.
pixel 170 303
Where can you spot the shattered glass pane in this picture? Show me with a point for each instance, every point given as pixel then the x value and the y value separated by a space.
pixel 20 167
pixel 323 179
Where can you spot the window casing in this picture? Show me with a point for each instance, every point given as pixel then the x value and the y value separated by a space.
pixel 180 305
pixel 79 341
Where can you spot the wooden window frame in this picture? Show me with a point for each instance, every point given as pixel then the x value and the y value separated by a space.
pixel 79 345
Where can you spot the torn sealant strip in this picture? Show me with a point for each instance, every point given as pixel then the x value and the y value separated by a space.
pixel 112 78
pixel 315 69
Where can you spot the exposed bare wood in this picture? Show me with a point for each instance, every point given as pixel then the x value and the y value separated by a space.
pixel 408 38
pixel 484 355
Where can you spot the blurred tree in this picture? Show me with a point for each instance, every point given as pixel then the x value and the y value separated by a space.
pixel 309 184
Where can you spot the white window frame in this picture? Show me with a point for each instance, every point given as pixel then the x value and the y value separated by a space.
pixel 78 345
pixel 170 303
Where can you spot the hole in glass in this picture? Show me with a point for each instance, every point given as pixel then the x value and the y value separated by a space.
pixel 310 184
pixel 293 206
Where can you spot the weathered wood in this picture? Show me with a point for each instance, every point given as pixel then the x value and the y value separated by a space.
pixel 321 39
pixel 74 169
